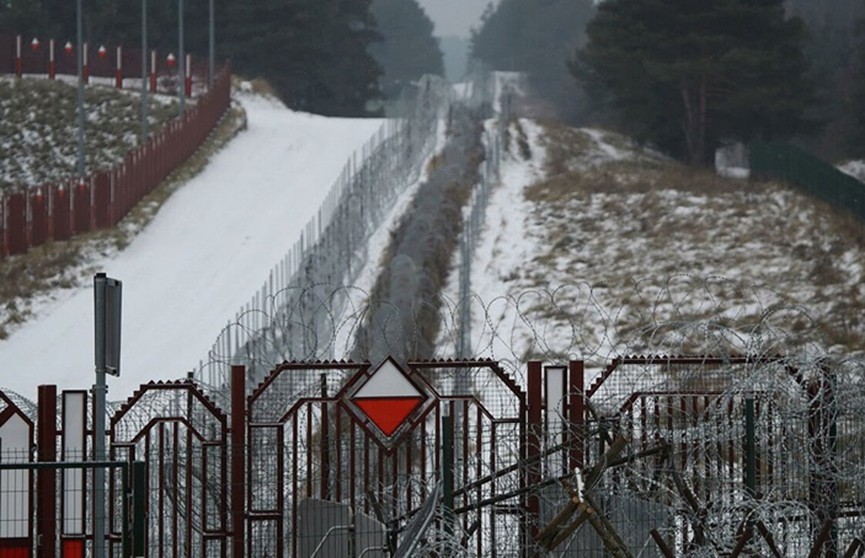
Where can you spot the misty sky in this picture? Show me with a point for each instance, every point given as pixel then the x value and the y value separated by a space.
pixel 454 17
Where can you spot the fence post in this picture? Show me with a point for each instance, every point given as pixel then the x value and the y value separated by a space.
pixel 576 412
pixel 46 479
pixel 533 449
pixel 448 467
pixel 139 538
pixel 238 460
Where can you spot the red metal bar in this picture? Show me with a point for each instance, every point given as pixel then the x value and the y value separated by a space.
pixel 479 470
pixel 46 447
pixel 16 224
pixel 4 241
pixel 533 439
pixel 352 465
pixel 81 207
pixel 325 448
pixel 38 217
pixel 338 448
pixel 161 485
pixel 60 213
pixel 102 201
pixel 577 412
pixel 309 454
pixel 238 460
pixel 153 71
pixel 187 82
pixel 294 514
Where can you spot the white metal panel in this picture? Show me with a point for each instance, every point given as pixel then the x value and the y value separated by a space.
pixel 74 449
pixel 15 485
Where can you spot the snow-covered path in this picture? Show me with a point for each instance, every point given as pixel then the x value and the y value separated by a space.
pixel 209 248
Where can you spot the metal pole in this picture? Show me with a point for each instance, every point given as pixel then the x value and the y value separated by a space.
pixel 80 58
pixel 144 85
pixel 99 392
pixel 212 47
pixel 181 74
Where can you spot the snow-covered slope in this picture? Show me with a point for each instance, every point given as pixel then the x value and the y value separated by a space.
pixel 591 248
pixel 594 248
pixel 188 272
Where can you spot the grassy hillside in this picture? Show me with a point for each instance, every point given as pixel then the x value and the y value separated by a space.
pixel 39 123
pixel 620 250
pixel 45 113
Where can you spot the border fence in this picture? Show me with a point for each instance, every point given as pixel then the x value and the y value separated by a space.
pixel 813 175
pixel 100 200
pixel 649 456
pixel 295 314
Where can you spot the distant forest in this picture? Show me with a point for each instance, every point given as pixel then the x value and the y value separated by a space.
pixel 684 75
pixel 333 57
pixel 688 76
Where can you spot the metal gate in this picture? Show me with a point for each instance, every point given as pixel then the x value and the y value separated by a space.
pixel 182 438
pixel 324 464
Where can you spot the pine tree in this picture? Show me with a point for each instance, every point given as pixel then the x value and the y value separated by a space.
pixel 856 136
pixel 314 52
pixel 833 55
pixel 687 75
pixel 408 48
pixel 536 37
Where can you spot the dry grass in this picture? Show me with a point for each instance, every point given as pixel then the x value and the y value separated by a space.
pixel 659 241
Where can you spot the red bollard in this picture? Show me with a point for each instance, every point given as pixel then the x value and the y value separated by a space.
pixel 153 71
pixel 19 62
pixel 85 66
pixel 188 80
pixel 51 65
pixel 118 80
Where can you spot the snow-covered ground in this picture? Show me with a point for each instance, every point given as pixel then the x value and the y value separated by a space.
pixel 856 169
pixel 210 247
pixel 588 254
pixel 592 248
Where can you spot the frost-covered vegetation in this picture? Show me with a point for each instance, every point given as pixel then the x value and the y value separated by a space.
pixel 39 123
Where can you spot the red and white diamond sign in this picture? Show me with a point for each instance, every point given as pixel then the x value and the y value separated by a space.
pixel 388 398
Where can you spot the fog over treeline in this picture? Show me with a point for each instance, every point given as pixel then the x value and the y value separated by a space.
pixel 791 69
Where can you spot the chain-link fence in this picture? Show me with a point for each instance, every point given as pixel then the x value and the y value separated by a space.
pixel 816 177
pixel 294 313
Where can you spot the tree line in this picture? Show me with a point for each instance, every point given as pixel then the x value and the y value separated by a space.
pixel 333 57
pixel 685 76
pixel 690 76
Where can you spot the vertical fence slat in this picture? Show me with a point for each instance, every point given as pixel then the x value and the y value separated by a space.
pixel 16 223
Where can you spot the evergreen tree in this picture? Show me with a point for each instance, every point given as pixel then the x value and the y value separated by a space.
pixel 832 55
pixel 314 52
pixel 537 37
pixel 856 136
pixel 688 75
pixel 21 16
pixel 408 48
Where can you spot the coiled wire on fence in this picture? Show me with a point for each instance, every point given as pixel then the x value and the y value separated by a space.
pixel 292 315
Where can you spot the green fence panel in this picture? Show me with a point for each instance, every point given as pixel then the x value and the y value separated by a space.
pixel 787 162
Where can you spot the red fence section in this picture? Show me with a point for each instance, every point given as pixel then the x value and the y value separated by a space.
pixel 60 211
pixel 37 61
